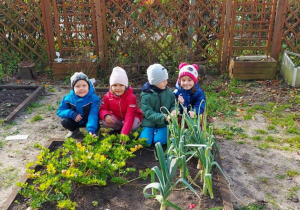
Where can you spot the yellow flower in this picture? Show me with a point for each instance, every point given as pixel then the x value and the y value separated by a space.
pixel 51 169
pixel 137 147
pixel 80 147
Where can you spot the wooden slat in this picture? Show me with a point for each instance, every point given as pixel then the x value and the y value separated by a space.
pixel 40 90
pixel 254 64
pixel 253 76
pixel 254 70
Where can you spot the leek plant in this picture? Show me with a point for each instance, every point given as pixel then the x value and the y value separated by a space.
pixel 165 176
pixel 201 143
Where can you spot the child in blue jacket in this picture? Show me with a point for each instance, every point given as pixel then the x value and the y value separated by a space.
pixel 187 90
pixel 80 107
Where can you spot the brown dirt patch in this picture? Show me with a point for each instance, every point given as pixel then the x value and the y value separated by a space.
pixel 11 99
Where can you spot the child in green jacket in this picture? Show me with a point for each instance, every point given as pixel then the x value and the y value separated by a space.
pixel 155 95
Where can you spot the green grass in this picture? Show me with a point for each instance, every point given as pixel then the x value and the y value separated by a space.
pixel 253 206
pixel 230 132
pixel 293 191
pixel 256 138
pixel 272 139
pixel 271 128
pixel 50 107
pixel 264 146
pixel 294 142
pixel 292 173
pixel 36 118
pixel 1 144
pixel 281 176
pixel 248 117
pixel 8 176
pixel 264 180
pixel 51 89
pixel 32 105
pixel 261 131
pixel 219 105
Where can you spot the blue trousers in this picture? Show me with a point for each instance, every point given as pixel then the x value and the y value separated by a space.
pixel 154 135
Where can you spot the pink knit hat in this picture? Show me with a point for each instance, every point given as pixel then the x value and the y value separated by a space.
pixel 188 70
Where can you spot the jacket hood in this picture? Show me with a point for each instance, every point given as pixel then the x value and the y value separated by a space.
pixel 146 86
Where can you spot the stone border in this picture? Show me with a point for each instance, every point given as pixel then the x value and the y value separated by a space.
pixel 225 193
pixel 39 90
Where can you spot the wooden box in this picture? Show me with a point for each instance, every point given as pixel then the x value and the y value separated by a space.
pixel 63 69
pixel 252 67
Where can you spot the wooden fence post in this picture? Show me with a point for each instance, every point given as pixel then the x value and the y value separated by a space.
pixel 48 27
pixel 226 36
pixel 278 28
pixel 99 22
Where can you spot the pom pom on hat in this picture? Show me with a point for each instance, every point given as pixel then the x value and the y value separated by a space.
pixel 78 76
pixel 156 74
pixel 118 76
pixel 188 70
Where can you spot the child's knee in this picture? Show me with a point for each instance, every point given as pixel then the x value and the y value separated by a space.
pixel 148 134
pixel 161 135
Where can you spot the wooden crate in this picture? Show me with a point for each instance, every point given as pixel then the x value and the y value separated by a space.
pixel 252 67
pixel 64 69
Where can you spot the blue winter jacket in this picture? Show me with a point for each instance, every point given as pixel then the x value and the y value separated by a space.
pixel 193 102
pixel 88 106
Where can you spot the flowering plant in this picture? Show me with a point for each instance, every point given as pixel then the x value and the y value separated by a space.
pixel 83 60
pixel 91 162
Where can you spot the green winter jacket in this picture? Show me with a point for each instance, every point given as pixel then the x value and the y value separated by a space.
pixel 151 102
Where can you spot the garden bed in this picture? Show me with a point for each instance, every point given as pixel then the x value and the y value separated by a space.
pixel 252 67
pixel 15 99
pixel 130 195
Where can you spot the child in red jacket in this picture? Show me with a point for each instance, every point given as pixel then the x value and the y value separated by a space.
pixel 119 109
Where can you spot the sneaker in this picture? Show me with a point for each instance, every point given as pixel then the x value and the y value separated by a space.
pixel 72 134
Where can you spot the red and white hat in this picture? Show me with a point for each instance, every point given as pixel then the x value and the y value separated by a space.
pixel 188 70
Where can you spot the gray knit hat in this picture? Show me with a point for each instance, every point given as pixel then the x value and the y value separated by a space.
pixel 156 74
pixel 78 76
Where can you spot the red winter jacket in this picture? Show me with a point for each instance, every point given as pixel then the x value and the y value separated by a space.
pixel 123 108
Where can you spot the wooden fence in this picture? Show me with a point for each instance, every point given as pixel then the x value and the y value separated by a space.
pixel 138 33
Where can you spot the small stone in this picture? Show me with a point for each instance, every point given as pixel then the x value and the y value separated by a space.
pixel 295 199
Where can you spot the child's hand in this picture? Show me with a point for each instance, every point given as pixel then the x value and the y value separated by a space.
pixel 94 135
pixel 192 114
pixel 180 99
pixel 78 118
pixel 108 119
pixel 173 113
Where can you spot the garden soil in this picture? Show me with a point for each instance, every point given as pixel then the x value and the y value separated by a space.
pixel 253 172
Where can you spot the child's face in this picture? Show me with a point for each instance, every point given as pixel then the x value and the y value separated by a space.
pixel 118 89
pixel 186 82
pixel 81 88
pixel 162 85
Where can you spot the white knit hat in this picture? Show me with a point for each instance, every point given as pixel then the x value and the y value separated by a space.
pixel 156 74
pixel 118 76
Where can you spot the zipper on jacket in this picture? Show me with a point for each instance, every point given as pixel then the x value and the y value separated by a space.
pixel 121 109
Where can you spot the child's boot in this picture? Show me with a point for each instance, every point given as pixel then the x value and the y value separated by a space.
pixel 72 134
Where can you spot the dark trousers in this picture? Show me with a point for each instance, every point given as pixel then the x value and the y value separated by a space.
pixel 72 125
